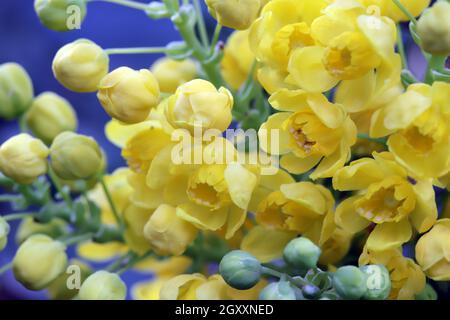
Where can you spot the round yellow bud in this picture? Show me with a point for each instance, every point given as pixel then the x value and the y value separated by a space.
pixel 23 158
pixel 60 15
pixel 28 227
pixel 49 115
pixel 434 29
pixel 172 73
pixel 236 14
pixel 75 156
pixel 80 65
pixel 65 286
pixel 39 261
pixel 103 285
pixel 198 103
pixel 16 90
pixel 167 233
pixel 129 95
pixel 4 231
pixel 432 251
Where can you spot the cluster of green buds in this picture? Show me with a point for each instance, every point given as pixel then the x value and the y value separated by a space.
pixel 302 279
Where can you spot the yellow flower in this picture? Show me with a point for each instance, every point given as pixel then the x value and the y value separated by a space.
pixel 433 29
pixel 386 198
pixel 49 115
pixel 167 233
pixel 16 90
pixel 237 59
pixel 389 8
pixel 198 104
pixel 236 14
pixel 417 122
pixel 103 285
pixel 406 276
pixel 171 73
pixel 75 156
pixel 311 131
pixel 135 219
pixel 432 251
pixel 23 158
pixel 80 65
pixel 129 95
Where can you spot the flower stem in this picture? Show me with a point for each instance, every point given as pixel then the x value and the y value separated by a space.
pixel 215 38
pixel 77 239
pixel 135 50
pixel 298 281
pixel 18 216
pixel 59 187
pixel 367 137
pixel 5 268
pixel 134 259
pixel 201 23
pixel 405 11
pixel 111 202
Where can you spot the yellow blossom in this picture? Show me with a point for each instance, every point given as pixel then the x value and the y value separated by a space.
pixel 236 14
pixel 390 9
pixel 172 73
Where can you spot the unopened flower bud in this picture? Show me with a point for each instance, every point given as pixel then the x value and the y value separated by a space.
pixel 129 95
pixel 172 73
pixel 350 282
pixel 103 285
pixel 80 65
pixel 39 261
pixel 16 90
pixel 240 269
pixel 28 227
pixel 433 29
pixel 65 287
pixel 378 282
pixel 428 293
pixel 282 290
pixel 56 14
pixel 4 231
pixel 49 115
pixel 75 156
pixel 236 14
pixel 198 104
pixel 23 158
pixel 302 253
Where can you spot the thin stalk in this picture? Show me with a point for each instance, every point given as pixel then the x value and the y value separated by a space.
pixel 298 281
pixel 135 50
pixel 111 202
pixel 8 197
pixel 17 216
pixel 215 37
pixel 201 23
pixel 133 261
pixel 77 239
pixel 367 137
pixel 401 47
pixel 5 268
pixel 58 187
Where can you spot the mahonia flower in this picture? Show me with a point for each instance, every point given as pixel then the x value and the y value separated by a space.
pixel 312 131
pixel 406 276
pixel 236 14
pixel 432 251
pixel 433 29
pixel 172 73
pixel 386 198
pixel 417 122
pixel 390 9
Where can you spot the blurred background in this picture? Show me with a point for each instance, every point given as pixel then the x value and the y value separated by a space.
pixel 25 41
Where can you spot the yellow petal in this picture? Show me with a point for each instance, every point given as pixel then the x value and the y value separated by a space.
pixel 202 217
pixel 236 218
pixel 272 138
pixel 119 133
pixel 288 100
pixel 297 165
pixel 389 235
pixel 329 165
pixel 347 218
pixel 358 175
pixel 241 183
pixel 100 251
pixel 332 115
pixel 425 213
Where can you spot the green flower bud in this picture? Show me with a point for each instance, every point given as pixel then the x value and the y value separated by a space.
pixel 310 291
pixel 103 285
pixel 282 290
pixel 80 65
pixel 16 90
pixel 4 231
pixel 240 269
pixel 28 227
pixel 61 15
pixel 49 115
pixel 39 261
pixel 23 158
pixel 428 293
pixel 350 282
pixel 74 156
pixel 61 288
pixel 302 253
pixel 378 282
pixel 433 29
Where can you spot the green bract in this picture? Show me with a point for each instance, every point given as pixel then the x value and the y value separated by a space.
pixel 61 15
pixel 350 282
pixel 16 91
pixel 302 253
pixel 240 269
pixel 282 290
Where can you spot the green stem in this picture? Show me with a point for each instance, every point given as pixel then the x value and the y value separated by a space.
pixel 17 216
pixel 434 63
pixel 5 268
pixel 133 261
pixel 401 47
pixel 405 11
pixel 126 3
pixel 298 281
pixel 8 197
pixel 77 239
pixel 367 137
pixel 23 124
pixel 111 202
pixel 59 187
pixel 135 50
pixel 201 23
pixel 215 38
pixel 118 262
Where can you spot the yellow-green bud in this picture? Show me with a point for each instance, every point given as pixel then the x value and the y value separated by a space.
pixel 282 290
pixel 172 73
pixel 49 115
pixel 4 231
pixel 75 156
pixel 433 29
pixel 65 286
pixel 236 14
pixel 39 261
pixel 29 227
pixel 103 285
pixel 302 253
pixel 80 65
pixel 16 90
pixel 378 282
pixel 350 282
pixel 23 158
pixel 128 95
pixel 240 269
pixel 61 15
